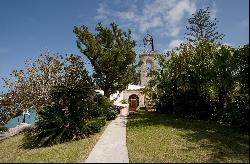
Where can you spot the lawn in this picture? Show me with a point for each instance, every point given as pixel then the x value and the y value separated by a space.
pixel 154 137
pixel 12 151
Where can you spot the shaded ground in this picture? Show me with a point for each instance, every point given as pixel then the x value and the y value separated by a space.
pixel 153 137
pixel 13 151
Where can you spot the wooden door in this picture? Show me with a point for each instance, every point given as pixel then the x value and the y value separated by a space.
pixel 133 105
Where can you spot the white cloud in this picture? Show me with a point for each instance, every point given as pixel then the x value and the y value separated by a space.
pixel 165 16
pixel 126 15
pixel 146 25
pixel 213 11
pixel 173 44
pixel 227 44
pixel 177 12
pixel 173 32
pixel 102 11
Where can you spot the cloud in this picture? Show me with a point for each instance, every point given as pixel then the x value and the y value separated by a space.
pixel 227 44
pixel 177 12
pixel 164 16
pixel 173 44
pixel 102 12
pixel 127 15
pixel 213 10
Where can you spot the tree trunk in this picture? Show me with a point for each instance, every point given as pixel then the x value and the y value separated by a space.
pixel 222 97
pixel 174 93
pixel 107 93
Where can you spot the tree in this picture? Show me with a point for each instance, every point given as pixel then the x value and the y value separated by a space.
pixel 29 88
pixel 242 63
pixel 67 117
pixel 201 27
pixel 74 111
pixel 112 55
pixel 202 79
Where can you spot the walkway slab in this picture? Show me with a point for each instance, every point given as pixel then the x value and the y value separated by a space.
pixel 111 147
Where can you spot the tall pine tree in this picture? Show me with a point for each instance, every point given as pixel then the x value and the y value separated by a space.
pixel 201 27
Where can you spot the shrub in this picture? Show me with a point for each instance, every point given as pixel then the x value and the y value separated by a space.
pixel 111 114
pixel 193 105
pixel 123 101
pixel 236 114
pixel 95 124
pixel 3 129
pixel 164 104
pixel 105 108
pixel 68 117
pixel 143 108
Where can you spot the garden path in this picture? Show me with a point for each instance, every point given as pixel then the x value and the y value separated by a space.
pixel 111 147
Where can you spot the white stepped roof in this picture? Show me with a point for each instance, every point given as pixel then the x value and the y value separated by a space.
pixel 134 87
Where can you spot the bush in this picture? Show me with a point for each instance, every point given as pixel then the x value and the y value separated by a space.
pixel 165 104
pixel 123 101
pixel 143 108
pixel 111 114
pixel 95 125
pixel 3 129
pixel 236 114
pixel 70 116
pixel 105 108
pixel 192 105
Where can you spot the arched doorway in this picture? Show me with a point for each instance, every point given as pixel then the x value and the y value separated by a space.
pixel 133 102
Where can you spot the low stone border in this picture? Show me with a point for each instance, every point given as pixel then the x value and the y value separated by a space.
pixel 14 131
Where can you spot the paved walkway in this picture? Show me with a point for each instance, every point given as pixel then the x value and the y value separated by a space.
pixel 111 147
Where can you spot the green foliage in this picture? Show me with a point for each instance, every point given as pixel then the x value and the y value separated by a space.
pixel 123 101
pixel 112 114
pixel 75 112
pixel 205 82
pixel 203 79
pixel 201 27
pixel 69 113
pixel 95 125
pixel 3 129
pixel 112 55
pixel 105 108
pixel 68 117
pixel 29 88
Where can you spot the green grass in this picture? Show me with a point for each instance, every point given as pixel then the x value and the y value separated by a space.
pixel 154 137
pixel 13 151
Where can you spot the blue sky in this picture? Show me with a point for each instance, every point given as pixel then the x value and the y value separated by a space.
pixel 29 27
